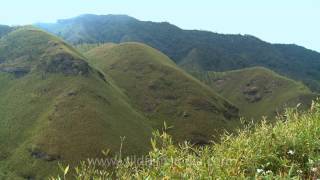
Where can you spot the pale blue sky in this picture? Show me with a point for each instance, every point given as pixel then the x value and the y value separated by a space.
pixel 278 21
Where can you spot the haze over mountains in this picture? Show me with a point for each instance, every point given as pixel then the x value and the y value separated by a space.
pixel 120 77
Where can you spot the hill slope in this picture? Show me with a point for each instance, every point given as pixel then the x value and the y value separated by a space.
pixel 55 107
pixel 163 92
pixel 257 91
pixel 191 49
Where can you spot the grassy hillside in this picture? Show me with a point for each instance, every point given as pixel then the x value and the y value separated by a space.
pixel 194 49
pixel 55 108
pixel 257 91
pixel 163 92
pixel 288 149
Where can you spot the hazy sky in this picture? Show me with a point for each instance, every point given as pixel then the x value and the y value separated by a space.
pixel 278 21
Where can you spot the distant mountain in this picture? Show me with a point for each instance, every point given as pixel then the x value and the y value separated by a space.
pixel 191 49
pixel 258 91
pixel 163 92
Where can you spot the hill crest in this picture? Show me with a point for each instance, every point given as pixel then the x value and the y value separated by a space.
pixel 164 92
pixel 215 52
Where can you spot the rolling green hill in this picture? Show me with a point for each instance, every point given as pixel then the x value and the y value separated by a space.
pixel 164 92
pixel 191 49
pixel 257 91
pixel 60 103
pixel 55 107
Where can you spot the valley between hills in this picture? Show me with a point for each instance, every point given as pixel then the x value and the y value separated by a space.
pixel 72 89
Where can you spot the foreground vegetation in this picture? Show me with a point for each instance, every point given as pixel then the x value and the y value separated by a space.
pixel 287 149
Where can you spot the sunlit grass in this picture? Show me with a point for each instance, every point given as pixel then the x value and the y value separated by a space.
pixel 288 149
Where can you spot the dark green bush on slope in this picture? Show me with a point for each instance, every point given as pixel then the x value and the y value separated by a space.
pixel 287 149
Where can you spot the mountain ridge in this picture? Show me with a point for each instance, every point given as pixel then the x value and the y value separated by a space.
pixel 215 52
